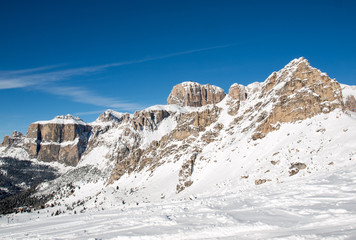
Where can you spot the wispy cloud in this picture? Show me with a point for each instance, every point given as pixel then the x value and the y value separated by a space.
pixel 81 95
pixel 148 59
pixel 40 78
pixel 29 70
pixel 41 75
pixel 46 82
pixel 36 76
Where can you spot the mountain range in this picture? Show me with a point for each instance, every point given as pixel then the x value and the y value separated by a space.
pixel 297 123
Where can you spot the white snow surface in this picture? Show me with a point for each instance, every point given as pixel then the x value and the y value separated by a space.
pixel 321 206
pixel 348 90
pixel 170 108
pixel 191 84
pixel 64 119
pixel 165 127
pixel 18 153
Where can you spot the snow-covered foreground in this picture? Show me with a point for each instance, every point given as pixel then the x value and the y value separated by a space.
pixel 322 206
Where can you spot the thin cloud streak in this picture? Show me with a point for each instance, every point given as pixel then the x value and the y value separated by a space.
pixel 167 56
pixel 29 70
pixel 36 76
pixel 81 95
pixel 43 79
pixel 21 81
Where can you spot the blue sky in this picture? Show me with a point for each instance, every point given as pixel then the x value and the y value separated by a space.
pixel 82 57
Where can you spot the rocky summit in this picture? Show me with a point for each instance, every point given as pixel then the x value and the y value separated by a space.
pixel 195 95
pixel 62 140
pixel 203 140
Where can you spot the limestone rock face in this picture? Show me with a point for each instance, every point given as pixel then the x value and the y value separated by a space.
pixel 349 97
pixel 350 103
pixel 189 125
pixel 62 139
pixel 297 92
pixel 15 140
pixel 238 92
pixel 125 131
pixel 112 116
pixel 148 119
pixel 195 95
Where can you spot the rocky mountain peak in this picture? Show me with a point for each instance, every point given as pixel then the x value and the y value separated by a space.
pixel 238 91
pixel 297 61
pixel 64 119
pixel 296 92
pixel 194 94
pixel 111 116
pixel 16 134
pixel 15 140
pixel 68 117
pixel 62 139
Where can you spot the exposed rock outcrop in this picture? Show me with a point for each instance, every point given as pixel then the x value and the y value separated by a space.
pixel 112 116
pixel 297 92
pixel 195 95
pixel 349 97
pixel 185 173
pixel 350 103
pixel 62 139
pixel 15 140
pixel 148 119
pixel 189 125
pixel 238 92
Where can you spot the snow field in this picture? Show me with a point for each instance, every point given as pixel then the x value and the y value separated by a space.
pixel 322 206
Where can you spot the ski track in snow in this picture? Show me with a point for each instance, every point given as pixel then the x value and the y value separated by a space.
pixel 319 207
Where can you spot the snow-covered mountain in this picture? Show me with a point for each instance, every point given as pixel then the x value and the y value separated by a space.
pixel 295 125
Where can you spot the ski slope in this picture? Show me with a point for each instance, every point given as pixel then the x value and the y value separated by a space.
pixel 322 206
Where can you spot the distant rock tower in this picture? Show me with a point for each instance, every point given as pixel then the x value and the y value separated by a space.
pixel 193 94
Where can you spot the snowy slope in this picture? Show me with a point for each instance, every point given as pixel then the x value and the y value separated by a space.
pixel 237 162
pixel 348 91
pixel 321 206
pixel 67 119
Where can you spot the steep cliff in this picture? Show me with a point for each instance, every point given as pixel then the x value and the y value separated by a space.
pixel 237 91
pixel 297 92
pixel 195 95
pixel 15 140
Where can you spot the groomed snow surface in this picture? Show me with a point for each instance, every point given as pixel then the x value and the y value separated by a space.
pixel 319 207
